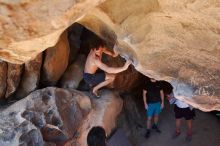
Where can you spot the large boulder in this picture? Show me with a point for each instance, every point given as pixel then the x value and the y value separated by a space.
pixel 3 78
pixel 13 78
pixel 30 77
pixel 57 116
pixel 44 113
pixel 74 73
pixel 105 112
pixel 55 62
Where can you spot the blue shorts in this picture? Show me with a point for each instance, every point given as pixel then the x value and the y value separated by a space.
pixel 153 109
pixel 94 79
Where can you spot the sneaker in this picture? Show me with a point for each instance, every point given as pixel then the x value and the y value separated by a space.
pixel 147 135
pixel 155 127
pixel 188 137
pixel 175 135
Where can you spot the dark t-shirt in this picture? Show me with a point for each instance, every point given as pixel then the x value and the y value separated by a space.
pixel 153 92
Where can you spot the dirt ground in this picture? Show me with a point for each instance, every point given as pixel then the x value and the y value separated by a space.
pixel 206 131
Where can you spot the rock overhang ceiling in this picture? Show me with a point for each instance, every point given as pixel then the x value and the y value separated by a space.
pixel 178 41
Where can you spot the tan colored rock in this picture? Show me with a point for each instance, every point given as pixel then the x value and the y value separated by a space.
pixel 74 73
pixel 56 61
pixel 29 27
pixel 105 112
pixel 3 78
pixel 13 78
pixel 30 77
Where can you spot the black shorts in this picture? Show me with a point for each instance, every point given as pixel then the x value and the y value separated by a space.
pixel 94 79
pixel 186 113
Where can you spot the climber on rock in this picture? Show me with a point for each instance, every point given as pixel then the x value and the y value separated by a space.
pixel 94 62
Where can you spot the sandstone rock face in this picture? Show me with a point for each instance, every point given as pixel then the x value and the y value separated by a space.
pixel 74 73
pixel 30 77
pixel 25 22
pixel 13 78
pixel 56 61
pixel 170 40
pixel 3 78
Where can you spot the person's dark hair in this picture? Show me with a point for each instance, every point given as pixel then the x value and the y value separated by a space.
pixel 97 43
pixel 96 137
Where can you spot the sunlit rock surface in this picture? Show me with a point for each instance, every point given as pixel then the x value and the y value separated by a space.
pixel 29 27
pixel 178 41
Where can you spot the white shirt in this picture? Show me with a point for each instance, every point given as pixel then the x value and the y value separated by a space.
pixel 181 104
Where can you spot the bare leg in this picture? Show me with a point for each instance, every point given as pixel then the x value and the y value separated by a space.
pixel 177 131
pixel 156 117
pixel 189 132
pixel 149 119
pixel 155 125
pixel 189 126
pixel 108 79
pixel 178 122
